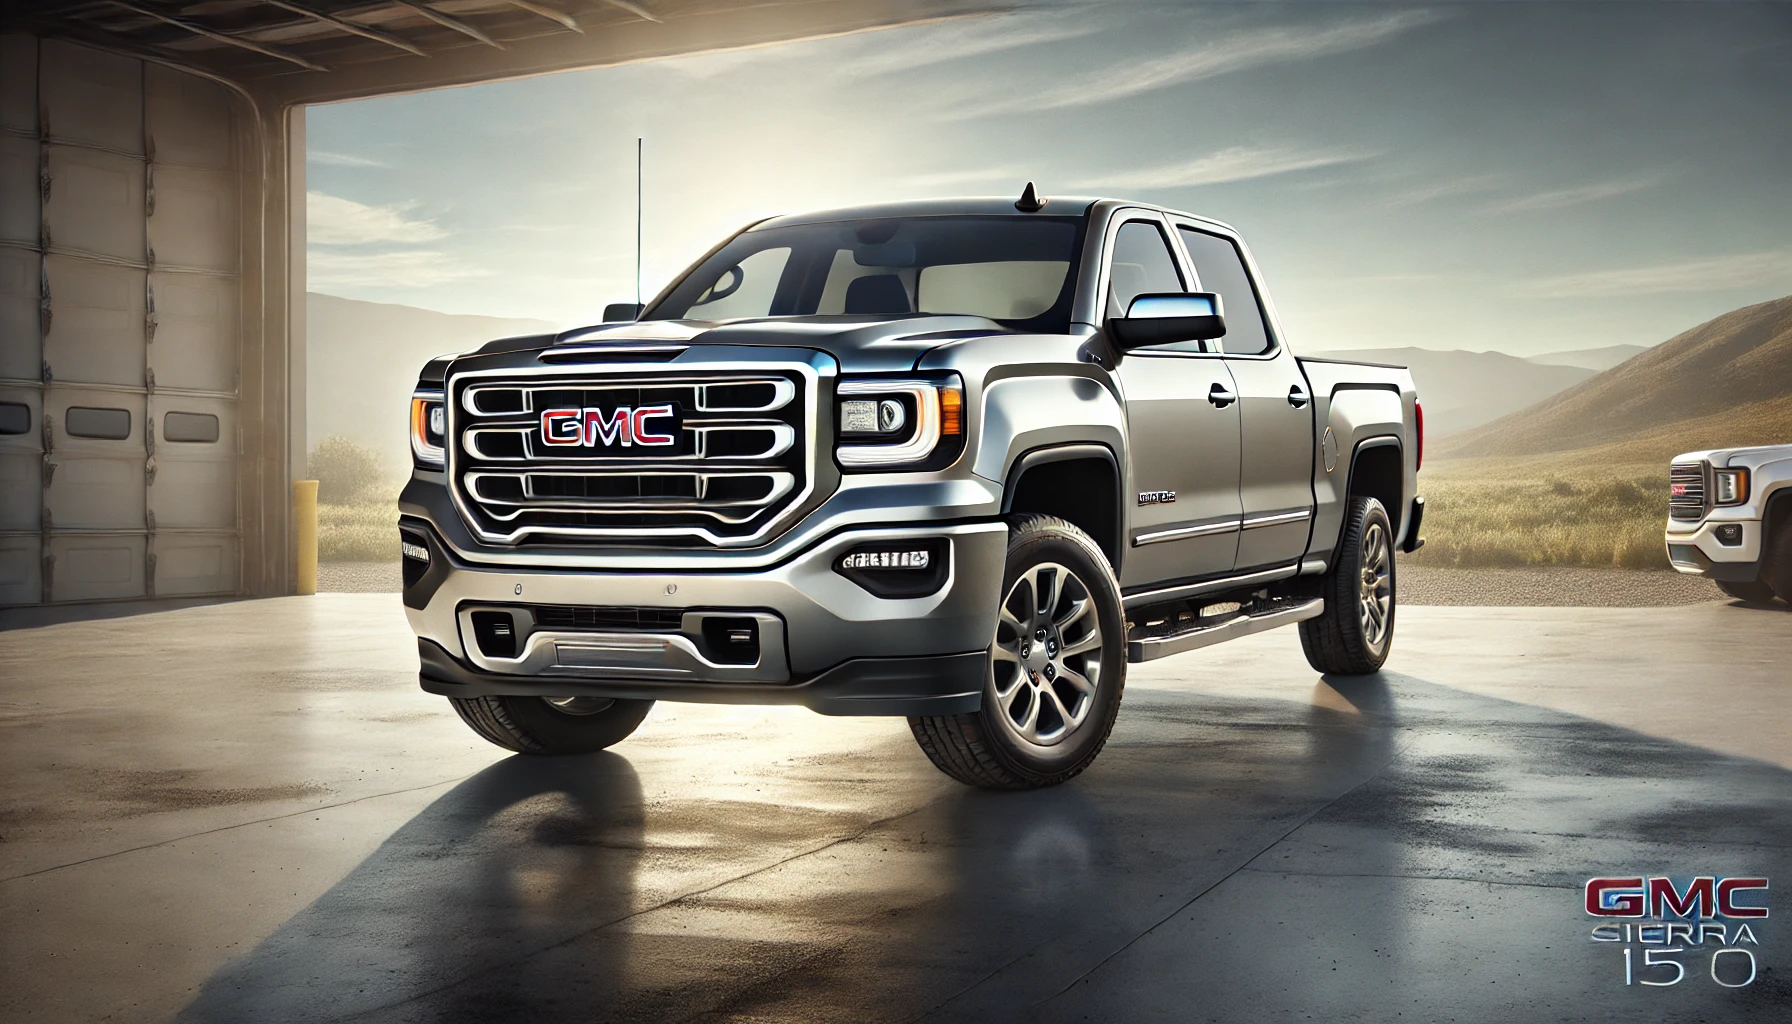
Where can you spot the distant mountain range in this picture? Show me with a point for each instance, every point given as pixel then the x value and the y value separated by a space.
pixel 1461 389
pixel 364 357
pixel 1726 382
pixel 1595 359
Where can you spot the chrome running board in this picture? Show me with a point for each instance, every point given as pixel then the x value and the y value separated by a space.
pixel 1151 648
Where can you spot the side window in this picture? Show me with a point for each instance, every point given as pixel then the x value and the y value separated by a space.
pixel 743 290
pixel 1140 265
pixel 1221 269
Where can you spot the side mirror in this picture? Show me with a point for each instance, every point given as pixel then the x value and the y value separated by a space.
pixel 622 312
pixel 1162 318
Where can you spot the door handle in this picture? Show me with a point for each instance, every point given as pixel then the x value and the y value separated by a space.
pixel 1219 396
pixel 1298 397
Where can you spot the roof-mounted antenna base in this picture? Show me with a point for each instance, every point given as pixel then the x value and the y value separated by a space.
pixel 1029 201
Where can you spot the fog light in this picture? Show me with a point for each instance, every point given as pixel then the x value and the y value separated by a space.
pixel 907 569
pixel 1729 534
pixel 414 551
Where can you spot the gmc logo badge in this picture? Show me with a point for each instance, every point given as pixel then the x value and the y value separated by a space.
pixel 1704 896
pixel 591 426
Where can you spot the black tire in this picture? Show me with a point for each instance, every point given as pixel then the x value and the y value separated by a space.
pixel 1055 728
pixel 1344 640
pixel 1752 591
pixel 531 725
pixel 1776 567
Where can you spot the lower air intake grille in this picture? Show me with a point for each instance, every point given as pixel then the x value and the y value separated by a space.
pixel 645 620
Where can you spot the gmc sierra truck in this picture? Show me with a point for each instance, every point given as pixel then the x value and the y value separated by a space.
pixel 1730 519
pixel 956 460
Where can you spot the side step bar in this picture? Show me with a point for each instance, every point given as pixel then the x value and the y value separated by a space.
pixel 1153 647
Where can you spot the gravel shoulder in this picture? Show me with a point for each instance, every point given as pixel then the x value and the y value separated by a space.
pixel 1419 585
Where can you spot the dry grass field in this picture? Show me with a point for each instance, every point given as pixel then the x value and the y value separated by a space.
pixel 1502 513
pixel 366 531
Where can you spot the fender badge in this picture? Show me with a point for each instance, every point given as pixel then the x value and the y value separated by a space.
pixel 1156 497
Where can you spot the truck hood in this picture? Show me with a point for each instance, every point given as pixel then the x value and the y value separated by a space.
pixel 861 344
pixel 1740 458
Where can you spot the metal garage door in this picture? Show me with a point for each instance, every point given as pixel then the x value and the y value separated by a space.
pixel 119 271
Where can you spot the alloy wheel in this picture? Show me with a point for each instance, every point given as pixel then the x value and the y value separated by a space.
pixel 1375 597
pixel 1046 661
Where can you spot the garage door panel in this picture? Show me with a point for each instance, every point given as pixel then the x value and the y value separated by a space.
pixel 98 481
pixel 195 564
pixel 93 97
pixel 20 277
pixel 20 204
pixel 21 458
pixel 195 479
pixel 97 323
pixel 21 570
pixel 196 331
pixel 96 203
pixel 189 119
pixel 194 224
pixel 18 83
pixel 89 568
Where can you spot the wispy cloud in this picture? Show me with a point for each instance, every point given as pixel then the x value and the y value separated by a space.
pixel 1718 273
pixel 332 220
pixel 1207 58
pixel 329 159
pixel 1559 198
pixel 1237 163
pixel 411 268
pixel 1445 187
pixel 902 49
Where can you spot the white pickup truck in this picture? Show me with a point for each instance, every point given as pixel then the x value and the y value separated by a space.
pixel 1730 518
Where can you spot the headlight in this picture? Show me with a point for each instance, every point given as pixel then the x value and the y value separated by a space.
pixel 888 423
pixel 1729 486
pixel 429 426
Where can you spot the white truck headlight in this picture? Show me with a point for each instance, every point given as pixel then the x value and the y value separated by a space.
pixel 1729 486
pixel 886 423
pixel 429 426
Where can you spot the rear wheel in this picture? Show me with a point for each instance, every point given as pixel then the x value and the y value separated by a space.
pixel 1353 635
pixel 552 725
pixel 1056 667
pixel 1752 591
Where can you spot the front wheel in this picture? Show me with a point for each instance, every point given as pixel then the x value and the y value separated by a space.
pixel 1056 667
pixel 1354 633
pixel 1750 591
pixel 552 725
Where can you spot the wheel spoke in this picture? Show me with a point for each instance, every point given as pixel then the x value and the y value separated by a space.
pixel 1001 652
pixel 1076 679
pixel 1058 705
pixel 1086 644
pixel 1046 588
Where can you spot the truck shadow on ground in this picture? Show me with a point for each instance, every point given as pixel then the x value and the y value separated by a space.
pixel 542 889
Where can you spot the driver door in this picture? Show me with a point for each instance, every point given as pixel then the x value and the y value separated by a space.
pixel 1182 426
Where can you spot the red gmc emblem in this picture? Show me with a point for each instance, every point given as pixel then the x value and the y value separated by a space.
pixel 1679 491
pixel 592 426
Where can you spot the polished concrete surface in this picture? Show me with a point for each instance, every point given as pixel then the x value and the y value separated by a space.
pixel 248 812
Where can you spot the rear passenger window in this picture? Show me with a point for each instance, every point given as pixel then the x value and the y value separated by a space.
pixel 105 424
pixel 189 426
pixel 15 418
pixel 1221 269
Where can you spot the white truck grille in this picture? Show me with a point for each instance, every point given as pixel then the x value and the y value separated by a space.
pixel 599 453
pixel 1686 492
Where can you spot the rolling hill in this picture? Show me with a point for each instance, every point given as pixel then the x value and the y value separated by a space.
pixel 1725 382
pixel 363 359
pixel 1461 389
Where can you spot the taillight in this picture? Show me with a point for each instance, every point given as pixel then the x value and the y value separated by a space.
pixel 1418 415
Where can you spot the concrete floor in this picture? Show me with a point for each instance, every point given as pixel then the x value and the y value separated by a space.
pixel 248 812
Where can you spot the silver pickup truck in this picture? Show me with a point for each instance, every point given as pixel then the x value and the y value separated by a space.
pixel 956 460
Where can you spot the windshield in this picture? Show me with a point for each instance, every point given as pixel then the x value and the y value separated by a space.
pixel 1015 270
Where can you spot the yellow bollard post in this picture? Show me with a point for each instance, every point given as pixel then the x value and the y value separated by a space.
pixel 304 533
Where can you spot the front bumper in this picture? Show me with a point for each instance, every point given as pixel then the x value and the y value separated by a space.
pixel 820 640
pixel 1696 551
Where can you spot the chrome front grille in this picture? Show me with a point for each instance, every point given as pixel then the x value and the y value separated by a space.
pixel 1686 492
pixel 721 456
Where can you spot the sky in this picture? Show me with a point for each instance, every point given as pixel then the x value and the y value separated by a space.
pixel 1512 176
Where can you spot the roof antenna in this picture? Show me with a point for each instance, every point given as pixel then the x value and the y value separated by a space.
pixel 1029 201
pixel 640 144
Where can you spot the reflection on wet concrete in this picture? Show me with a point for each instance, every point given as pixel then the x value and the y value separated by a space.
pixel 1255 843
